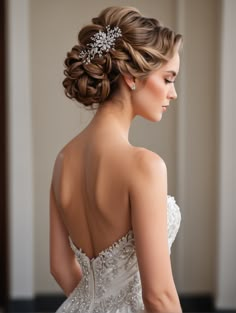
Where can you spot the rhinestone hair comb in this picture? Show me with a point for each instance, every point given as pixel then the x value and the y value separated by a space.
pixel 102 42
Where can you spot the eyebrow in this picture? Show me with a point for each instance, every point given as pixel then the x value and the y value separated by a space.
pixel 172 72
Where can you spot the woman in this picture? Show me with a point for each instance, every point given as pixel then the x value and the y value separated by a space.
pixel 108 198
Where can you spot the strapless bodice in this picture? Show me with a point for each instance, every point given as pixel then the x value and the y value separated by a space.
pixel 111 282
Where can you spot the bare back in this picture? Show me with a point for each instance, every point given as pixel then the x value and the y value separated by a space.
pixel 102 188
pixel 92 189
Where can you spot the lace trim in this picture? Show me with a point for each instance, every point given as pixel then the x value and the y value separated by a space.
pixel 173 221
pixel 129 235
pixel 173 224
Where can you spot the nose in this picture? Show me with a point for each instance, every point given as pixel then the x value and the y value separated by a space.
pixel 172 93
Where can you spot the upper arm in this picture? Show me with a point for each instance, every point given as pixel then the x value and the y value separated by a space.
pixel 148 195
pixel 59 243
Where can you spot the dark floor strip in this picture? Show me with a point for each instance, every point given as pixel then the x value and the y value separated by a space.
pixel 50 303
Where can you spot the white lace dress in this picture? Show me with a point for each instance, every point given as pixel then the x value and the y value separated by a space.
pixel 111 281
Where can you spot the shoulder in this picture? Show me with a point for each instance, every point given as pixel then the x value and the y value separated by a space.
pixel 146 162
pixel 147 174
pixel 63 156
pixel 61 162
pixel 60 159
pixel 57 175
pixel 58 165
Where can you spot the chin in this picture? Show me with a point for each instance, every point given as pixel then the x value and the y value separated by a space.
pixel 152 117
pixel 155 118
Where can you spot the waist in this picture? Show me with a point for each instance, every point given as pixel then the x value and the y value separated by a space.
pixel 109 295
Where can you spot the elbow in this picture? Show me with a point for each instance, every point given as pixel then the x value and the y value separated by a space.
pixel 53 271
pixel 66 276
pixel 165 302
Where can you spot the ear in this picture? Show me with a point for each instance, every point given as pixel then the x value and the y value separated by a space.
pixel 130 81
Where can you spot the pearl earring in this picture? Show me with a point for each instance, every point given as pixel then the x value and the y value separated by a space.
pixel 133 87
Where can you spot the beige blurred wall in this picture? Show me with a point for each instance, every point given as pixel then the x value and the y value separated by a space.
pixel 226 232
pixel 198 175
pixel 185 138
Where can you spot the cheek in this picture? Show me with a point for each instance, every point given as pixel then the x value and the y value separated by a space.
pixel 153 91
pixel 156 88
pixel 149 98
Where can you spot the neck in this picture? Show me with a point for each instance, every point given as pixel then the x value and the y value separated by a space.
pixel 116 114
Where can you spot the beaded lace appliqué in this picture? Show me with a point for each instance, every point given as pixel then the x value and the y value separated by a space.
pixel 130 296
pixel 173 220
pixel 111 281
pixel 101 273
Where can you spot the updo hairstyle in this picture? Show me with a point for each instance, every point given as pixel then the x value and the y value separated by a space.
pixel 144 46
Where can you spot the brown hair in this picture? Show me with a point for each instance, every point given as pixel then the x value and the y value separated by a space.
pixel 144 46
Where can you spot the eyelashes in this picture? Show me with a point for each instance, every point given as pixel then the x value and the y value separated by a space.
pixel 167 81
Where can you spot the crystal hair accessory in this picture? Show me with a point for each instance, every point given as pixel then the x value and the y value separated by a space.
pixel 102 42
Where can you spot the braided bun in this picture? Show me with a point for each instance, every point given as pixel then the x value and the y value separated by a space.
pixel 144 46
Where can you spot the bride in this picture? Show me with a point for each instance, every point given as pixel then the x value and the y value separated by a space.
pixel 111 222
